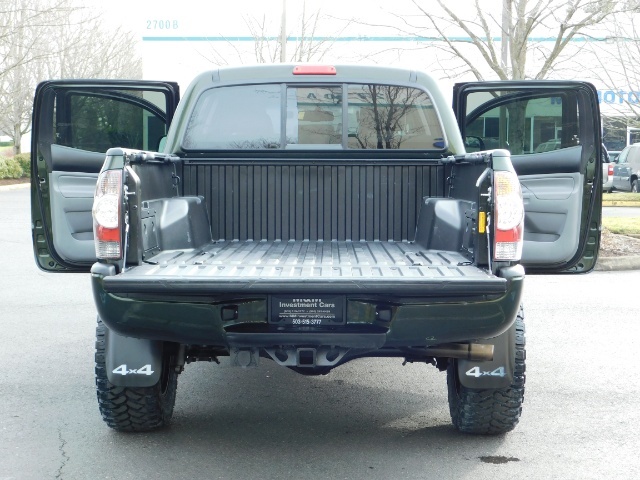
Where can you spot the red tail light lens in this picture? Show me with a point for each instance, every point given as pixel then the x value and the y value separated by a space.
pixel 610 169
pixel 509 216
pixel 107 229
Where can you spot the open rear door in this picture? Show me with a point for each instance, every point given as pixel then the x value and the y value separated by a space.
pixel 74 123
pixel 553 132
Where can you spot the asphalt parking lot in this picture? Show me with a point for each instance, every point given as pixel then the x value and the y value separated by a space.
pixel 370 419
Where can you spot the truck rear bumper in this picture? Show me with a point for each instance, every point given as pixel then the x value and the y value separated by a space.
pixel 444 312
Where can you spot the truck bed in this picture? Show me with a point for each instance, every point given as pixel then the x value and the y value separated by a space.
pixel 343 267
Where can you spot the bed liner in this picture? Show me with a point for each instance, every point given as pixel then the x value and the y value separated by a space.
pixel 307 266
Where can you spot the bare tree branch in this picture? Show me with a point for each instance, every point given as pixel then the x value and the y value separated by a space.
pixel 266 41
pixel 54 39
pixel 476 47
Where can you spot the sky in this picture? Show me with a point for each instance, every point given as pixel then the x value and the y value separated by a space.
pixel 209 25
pixel 228 18
pixel 203 27
pixel 195 17
pixel 200 30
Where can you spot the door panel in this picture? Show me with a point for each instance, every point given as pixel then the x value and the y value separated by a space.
pixel 68 159
pixel 552 206
pixel 552 130
pixel 74 124
pixel 73 182
pixel 71 203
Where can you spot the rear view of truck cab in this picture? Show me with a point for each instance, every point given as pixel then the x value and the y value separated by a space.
pixel 310 216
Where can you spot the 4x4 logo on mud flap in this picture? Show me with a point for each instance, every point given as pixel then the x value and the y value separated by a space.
pixel 476 372
pixel 122 370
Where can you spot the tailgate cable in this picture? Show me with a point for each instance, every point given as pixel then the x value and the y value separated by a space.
pixel 126 241
pixel 126 226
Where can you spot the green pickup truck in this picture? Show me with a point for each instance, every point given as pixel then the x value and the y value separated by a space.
pixel 310 215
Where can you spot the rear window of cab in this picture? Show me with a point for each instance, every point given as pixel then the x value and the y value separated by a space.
pixel 276 116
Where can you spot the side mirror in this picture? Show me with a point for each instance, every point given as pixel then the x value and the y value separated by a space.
pixel 473 144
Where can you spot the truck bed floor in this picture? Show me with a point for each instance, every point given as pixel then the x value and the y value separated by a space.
pixel 300 266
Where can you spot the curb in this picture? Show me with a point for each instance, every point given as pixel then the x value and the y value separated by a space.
pixel 611 264
pixel 621 204
pixel 15 186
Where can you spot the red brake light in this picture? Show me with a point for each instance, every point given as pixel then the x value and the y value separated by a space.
pixel 107 225
pixel 314 70
pixel 610 169
pixel 509 212
pixel 107 234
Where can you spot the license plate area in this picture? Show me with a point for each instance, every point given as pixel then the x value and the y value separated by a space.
pixel 307 311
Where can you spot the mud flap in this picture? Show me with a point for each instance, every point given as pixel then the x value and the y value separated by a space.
pixel 132 362
pixel 497 373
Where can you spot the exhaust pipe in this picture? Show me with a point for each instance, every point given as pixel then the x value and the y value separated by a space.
pixel 476 352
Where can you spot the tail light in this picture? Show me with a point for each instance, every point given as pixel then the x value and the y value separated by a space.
pixel 107 228
pixel 610 170
pixel 509 216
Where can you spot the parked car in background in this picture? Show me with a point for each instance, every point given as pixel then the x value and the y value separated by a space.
pixel 548 146
pixel 626 169
pixel 607 171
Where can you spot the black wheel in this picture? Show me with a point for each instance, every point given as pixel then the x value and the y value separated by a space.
pixel 490 411
pixel 634 185
pixel 134 409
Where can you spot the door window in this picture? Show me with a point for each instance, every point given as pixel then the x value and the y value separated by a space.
pixel 521 122
pixel 622 158
pixel 96 122
pixel 633 156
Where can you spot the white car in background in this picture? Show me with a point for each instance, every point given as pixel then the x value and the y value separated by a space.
pixel 626 169
pixel 607 170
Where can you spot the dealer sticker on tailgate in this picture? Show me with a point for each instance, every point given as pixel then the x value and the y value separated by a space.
pixel 307 311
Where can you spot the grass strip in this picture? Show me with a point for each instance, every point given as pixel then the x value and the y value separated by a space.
pixel 622 225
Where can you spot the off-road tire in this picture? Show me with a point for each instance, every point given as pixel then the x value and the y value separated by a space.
pixel 134 409
pixel 490 411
